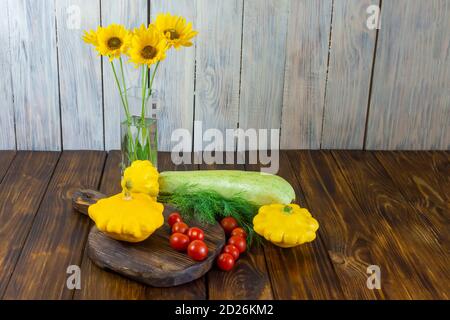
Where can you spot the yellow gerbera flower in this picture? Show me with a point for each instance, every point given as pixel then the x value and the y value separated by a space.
pixel 90 37
pixel 113 40
pixel 148 46
pixel 177 32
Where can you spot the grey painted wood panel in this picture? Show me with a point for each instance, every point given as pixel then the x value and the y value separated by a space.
pixel 175 79
pixel 410 107
pixel 52 82
pixel 349 74
pixel 80 79
pixel 263 60
pixel 7 134
pixel 218 59
pixel 131 13
pixel 305 78
pixel 35 74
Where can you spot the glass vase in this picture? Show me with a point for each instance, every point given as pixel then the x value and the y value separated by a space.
pixel 139 129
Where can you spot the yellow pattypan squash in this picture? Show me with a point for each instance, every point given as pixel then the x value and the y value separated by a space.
pixel 285 225
pixel 141 177
pixel 131 218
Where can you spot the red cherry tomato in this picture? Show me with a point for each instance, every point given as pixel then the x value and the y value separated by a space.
pixel 239 232
pixel 197 250
pixel 179 241
pixel 231 249
pixel 239 242
pixel 173 218
pixel 180 227
pixel 228 224
pixel 225 261
pixel 195 234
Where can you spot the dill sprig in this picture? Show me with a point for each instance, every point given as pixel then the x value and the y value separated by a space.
pixel 209 206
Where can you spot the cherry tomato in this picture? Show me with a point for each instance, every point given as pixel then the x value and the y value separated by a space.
pixel 179 241
pixel 195 234
pixel 239 242
pixel 231 249
pixel 197 250
pixel 239 232
pixel 173 218
pixel 180 227
pixel 225 261
pixel 228 224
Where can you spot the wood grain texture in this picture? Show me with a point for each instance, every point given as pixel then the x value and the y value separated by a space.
pixel 264 29
pixel 175 79
pixel 131 13
pixel 443 167
pixel 410 97
pixel 80 79
pixel 21 192
pixel 97 283
pixel 402 227
pixel 349 73
pixel 218 59
pixel 7 134
pixel 6 157
pixel 416 175
pixel 35 76
pixel 305 75
pixel 153 261
pixel 249 278
pixel 100 284
pixel 302 272
pixel 354 239
pixel 58 234
pixel 83 198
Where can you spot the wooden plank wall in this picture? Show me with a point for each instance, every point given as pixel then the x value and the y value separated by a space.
pixel 312 69
pixel 175 81
pixel 263 60
pixel 131 13
pixel 410 106
pixel 80 79
pixel 34 70
pixel 305 75
pixel 218 64
pixel 7 133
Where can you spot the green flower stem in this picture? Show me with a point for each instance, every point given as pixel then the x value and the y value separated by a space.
pixel 144 89
pixel 153 77
pixel 130 142
pixel 118 86
pixel 127 107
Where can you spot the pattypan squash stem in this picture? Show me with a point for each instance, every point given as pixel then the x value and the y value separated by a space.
pixel 287 209
pixel 127 195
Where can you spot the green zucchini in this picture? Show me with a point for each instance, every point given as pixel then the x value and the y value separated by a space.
pixel 256 187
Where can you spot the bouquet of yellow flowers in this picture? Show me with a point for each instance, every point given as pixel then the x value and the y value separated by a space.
pixel 145 47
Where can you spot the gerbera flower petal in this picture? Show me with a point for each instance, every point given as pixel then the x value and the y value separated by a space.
pixel 90 37
pixel 148 46
pixel 175 29
pixel 113 40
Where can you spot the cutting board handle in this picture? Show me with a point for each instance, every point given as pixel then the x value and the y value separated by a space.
pixel 83 198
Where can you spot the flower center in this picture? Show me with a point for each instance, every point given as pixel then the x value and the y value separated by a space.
pixel 114 43
pixel 173 34
pixel 148 52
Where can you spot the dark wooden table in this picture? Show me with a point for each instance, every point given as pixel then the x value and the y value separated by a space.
pixel 389 209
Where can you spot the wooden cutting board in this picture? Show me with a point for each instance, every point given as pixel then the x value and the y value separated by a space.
pixel 152 261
